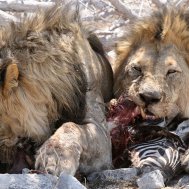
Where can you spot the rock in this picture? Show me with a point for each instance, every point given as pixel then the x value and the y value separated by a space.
pixel 27 181
pixel 124 174
pixel 25 171
pixel 39 181
pixel 66 181
pixel 152 180
pixel 183 130
pixel 184 182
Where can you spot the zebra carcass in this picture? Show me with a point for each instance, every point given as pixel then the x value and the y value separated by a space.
pixel 148 147
pixel 154 147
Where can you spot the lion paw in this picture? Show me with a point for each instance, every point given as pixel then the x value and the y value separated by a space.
pixel 75 146
pixel 60 153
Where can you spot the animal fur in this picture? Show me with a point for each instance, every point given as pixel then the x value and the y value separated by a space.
pixel 152 64
pixel 169 25
pixel 162 29
pixel 49 63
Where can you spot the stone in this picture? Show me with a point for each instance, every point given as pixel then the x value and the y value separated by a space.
pixel 184 181
pixel 66 181
pixel 183 130
pixel 39 181
pixel 151 180
pixel 123 174
pixel 27 181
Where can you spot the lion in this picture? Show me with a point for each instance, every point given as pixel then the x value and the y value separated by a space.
pixel 152 65
pixel 52 68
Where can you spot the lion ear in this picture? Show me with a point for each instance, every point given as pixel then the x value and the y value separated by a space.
pixel 10 79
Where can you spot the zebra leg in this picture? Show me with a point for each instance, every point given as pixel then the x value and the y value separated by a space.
pixel 185 161
pixel 183 132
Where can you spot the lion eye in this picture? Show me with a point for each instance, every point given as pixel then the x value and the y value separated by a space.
pixel 171 72
pixel 138 69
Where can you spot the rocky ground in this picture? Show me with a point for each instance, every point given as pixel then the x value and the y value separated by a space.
pixel 125 178
pixel 109 23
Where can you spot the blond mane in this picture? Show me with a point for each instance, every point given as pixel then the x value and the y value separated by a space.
pixel 44 74
pixel 169 25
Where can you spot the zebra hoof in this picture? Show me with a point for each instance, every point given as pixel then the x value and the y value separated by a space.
pixel 185 161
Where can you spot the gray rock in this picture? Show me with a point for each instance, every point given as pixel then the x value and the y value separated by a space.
pixel 152 180
pixel 39 181
pixel 66 181
pixel 27 181
pixel 184 181
pixel 124 174
pixel 183 130
pixel 25 171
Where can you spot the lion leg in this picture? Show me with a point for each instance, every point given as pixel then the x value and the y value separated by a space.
pixel 61 152
pixel 183 132
pixel 73 146
pixel 86 146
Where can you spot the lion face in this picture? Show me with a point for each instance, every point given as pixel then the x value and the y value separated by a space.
pixel 153 71
pixel 153 79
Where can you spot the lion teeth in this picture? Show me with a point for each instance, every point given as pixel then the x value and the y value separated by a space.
pixel 146 116
pixel 142 113
pixel 151 117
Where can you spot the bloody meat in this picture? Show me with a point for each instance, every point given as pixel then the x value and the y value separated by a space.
pixel 121 114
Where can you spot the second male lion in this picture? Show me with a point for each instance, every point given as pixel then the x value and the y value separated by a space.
pixel 50 69
pixel 152 66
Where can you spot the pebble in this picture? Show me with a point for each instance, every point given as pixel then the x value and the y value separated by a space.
pixel 123 174
pixel 66 181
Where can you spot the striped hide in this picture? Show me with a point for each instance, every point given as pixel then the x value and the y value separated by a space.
pixel 161 153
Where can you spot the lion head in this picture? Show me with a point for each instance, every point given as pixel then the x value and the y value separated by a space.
pixel 152 66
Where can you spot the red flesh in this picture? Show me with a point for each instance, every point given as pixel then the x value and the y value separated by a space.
pixel 122 114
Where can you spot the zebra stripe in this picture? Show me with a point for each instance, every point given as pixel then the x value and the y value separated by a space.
pixel 160 153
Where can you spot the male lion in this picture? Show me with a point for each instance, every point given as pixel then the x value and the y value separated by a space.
pixel 152 66
pixel 51 68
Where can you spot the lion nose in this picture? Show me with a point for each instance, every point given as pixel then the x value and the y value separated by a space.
pixel 150 97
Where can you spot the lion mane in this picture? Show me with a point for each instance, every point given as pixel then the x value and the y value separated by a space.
pixel 42 75
pixel 169 25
